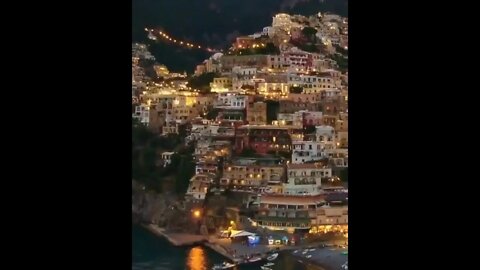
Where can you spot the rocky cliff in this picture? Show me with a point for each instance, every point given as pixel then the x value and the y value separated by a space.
pixel 150 207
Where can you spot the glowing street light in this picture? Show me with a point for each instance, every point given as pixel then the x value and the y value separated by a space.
pixel 196 213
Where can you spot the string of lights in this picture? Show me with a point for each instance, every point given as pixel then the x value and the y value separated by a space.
pixel 152 34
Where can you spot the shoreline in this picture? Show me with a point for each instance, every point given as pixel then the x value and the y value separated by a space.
pixel 182 239
pixel 176 239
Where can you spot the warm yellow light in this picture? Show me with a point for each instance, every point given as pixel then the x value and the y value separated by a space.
pixel 196 213
pixel 196 259
pixel 232 222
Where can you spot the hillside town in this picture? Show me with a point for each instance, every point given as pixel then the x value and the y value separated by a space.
pixel 264 125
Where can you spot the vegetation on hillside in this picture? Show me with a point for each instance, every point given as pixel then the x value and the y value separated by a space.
pixel 273 108
pixel 342 62
pixel 202 82
pixel 310 33
pixel 146 150
pixel 269 49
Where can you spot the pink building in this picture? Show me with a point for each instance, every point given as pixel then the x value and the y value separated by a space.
pixel 312 118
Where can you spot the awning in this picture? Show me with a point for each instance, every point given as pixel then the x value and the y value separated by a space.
pixel 241 233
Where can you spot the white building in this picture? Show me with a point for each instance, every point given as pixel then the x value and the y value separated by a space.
pixel 244 71
pixel 270 31
pixel 305 151
pixel 282 21
pixel 331 93
pixel 167 158
pixel 198 187
pixel 326 135
pixel 305 179
pixel 231 100
pixel 142 113
pixel 311 84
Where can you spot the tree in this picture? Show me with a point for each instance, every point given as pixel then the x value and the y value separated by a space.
pixel 212 113
pixel 309 129
pixel 309 33
pixel 270 48
pixel 341 61
pixel 344 175
pixel 202 82
pixel 284 154
pixel 273 108
pixel 185 171
pixel 248 152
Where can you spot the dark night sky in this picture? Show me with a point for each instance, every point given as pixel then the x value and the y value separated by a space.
pixel 213 23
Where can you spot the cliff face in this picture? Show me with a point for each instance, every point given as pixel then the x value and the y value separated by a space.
pixel 150 207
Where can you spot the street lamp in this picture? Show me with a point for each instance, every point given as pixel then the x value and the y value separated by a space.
pixel 196 213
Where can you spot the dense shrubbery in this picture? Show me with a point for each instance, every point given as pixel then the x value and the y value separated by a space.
pixel 202 82
pixel 146 148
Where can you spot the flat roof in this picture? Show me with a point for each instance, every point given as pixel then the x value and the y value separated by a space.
pixel 269 127
pixel 307 166
pixel 292 199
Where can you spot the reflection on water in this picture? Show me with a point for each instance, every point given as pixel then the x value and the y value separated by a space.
pixel 196 259
pixel 153 253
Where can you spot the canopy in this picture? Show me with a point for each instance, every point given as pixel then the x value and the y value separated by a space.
pixel 241 233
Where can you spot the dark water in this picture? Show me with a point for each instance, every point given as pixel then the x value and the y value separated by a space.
pixel 154 253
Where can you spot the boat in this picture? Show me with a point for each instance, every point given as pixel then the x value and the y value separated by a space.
pixel 254 259
pixel 308 256
pixel 345 266
pixel 269 264
pixel 224 265
pixel 272 257
pixel 305 252
pixel 312 249
pixel 295 251
pixel 265 268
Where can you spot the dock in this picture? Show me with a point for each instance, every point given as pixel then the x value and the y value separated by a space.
pixel 177 239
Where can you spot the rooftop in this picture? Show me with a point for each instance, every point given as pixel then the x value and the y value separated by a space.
pixel 306 166
pixel 286 127
pixel 292 199
pixel 340 197
pixel 263 161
